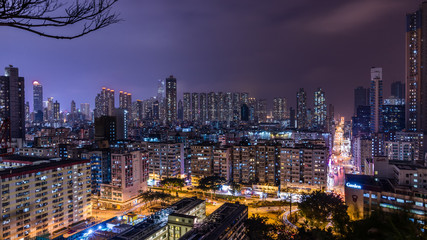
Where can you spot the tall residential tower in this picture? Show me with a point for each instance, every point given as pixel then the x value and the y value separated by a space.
pixel 416 74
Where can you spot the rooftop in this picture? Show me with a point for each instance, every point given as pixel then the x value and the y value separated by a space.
pixel 42 166
pixel 218 222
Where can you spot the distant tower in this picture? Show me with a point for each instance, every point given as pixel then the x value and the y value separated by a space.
pixel 37 96
pixel 416 74
pixel 125 100
pixel 195 111
pixel 376 99
pixel 73 107
pixel 170 100
pixel 186 105
pixel 398 90
pixel 104 103
pixel 320 109
pixel 212 106
pixel 361 98
pixel 49 109
pixel 203 107
pixel 85 110
pixel 56 111
pixel 280 109
pixel 161 94
pixel 301 109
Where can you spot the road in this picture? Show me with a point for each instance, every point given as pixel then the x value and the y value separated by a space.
pixel 338 167
pixel 286 220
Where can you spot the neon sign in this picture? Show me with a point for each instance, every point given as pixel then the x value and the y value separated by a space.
pixel 353 185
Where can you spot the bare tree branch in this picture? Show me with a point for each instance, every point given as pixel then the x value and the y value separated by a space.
pixel 42 16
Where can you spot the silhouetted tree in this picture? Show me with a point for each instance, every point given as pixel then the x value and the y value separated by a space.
pixel 173 183
pixel 381 225
pixel 212 183
pixel 320 208
pixel 43 16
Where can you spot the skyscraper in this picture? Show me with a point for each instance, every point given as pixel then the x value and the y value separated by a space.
pixel 125 100
pixel 212 107
pixel 195 111
pixel 85 110
pixel 398 90
pixel 280 109
pixel 393 115
pixel 104 103
pixel 416 76
pixel 301 109
pixel 203 107
pixel 361 98
pixel 56 111
pixel 376 99
pixel 37 96
pixel 49 109
pixel 73 107
pixel 186 105
pixel 12 103
pixel 261 110
pixel 319 109
pixel 171 102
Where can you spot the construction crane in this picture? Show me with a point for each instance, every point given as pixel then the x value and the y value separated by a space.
pixel 5 139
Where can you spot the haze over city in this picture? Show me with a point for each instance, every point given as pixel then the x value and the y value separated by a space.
pixel 267 50
pixel 213 120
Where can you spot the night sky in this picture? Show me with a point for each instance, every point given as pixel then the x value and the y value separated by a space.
pixel 269 50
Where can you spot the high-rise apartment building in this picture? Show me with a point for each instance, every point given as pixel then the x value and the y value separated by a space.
pixel 301 109
pixel 171 101
pixel 212 106
pixel 280 109
pixel 376 99
pixel 85 110
pixel 222 163
pixel 165 160
pixel 393 112
pixel 361 97
pixel 195 110
pixel 320 111
pixel 125 100
pixel 398 90
pixel 39 199
pixel 416 76
pixel 186 105
pixel 56 111
pixel 304 165
pixel 202 161
pixel 12 103
pixel 73 108
pixel 129 176
pixel 37 96
pixel 104 103
pixel 203 107
pixel 244 163
pixel 261 110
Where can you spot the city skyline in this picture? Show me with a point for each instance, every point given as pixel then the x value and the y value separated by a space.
pixel 269 64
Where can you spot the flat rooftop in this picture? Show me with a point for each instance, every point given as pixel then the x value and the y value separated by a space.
pixel 217 223
pixel 43 166
pixel 185 205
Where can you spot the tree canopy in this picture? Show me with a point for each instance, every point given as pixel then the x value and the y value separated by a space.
pixel 320 209
pixel 44 17
pixel 210 183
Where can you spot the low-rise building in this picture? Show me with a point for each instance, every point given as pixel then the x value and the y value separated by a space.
pixel 364 194
pixel 171 223
pixel 227 222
